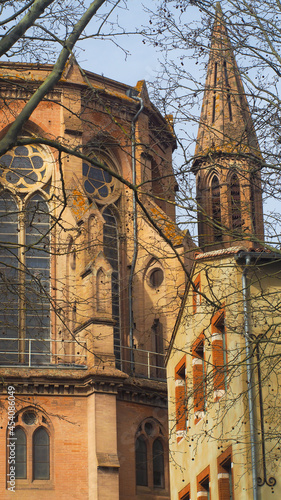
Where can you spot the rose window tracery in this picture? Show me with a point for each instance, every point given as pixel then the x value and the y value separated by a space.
pixel 24 167
pixel 100 184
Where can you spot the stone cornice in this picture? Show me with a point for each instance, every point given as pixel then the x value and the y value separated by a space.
pixel 24 90
pixel 143 391
pixel 77 382
pixel 61 382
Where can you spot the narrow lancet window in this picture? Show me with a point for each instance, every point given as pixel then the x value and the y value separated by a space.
pixel 37 277
pixel 20 459
pixel 141 462
pixel 111 252
pixel 158 464
pixel 41 454
pixel 216 209
pixel 236 220
pixel 9 279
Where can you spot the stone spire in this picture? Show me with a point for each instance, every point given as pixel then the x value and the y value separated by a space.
pixel 227 156
pixel 225 124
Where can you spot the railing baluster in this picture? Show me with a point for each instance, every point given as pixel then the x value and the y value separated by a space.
pixel 29 353
pixel 148 364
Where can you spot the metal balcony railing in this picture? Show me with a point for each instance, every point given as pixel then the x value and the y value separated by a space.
pixel 142 363
pixel 42 352
pixel 63 353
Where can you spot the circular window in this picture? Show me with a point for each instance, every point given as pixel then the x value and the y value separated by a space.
pixel 98 183
pixel 29 417
pixel 156 277
pixel 148 427
pixel 24 167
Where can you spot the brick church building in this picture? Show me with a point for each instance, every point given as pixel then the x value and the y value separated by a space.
pixel 89 289
pixel 95 293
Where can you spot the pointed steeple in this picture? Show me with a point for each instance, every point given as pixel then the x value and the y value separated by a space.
pixel 225 124
pixel 227 156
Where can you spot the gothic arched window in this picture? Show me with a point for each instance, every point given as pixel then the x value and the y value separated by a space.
pixel 41 454
pixel 37 275
pixel 236 221
pixel 216 208
pixel 32 443
pixel 149 452
pixel 24 256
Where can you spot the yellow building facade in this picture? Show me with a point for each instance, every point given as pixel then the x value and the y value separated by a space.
pixel 223 365
pixel 223 377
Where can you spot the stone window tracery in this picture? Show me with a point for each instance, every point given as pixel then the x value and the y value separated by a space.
pixel 25 168
pixel 100 184
pixel 149 455
pixel 32 448
pixel 105 189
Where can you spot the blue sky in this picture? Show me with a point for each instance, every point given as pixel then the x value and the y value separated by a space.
pixel 103 57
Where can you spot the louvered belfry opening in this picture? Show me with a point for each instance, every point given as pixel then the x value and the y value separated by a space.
pixel 235 197
pixel 216 209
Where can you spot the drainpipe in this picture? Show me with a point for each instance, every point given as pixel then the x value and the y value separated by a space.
pixel 131 93
pixel 249 376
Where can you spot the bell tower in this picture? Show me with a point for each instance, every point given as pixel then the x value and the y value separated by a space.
pixel 227 156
